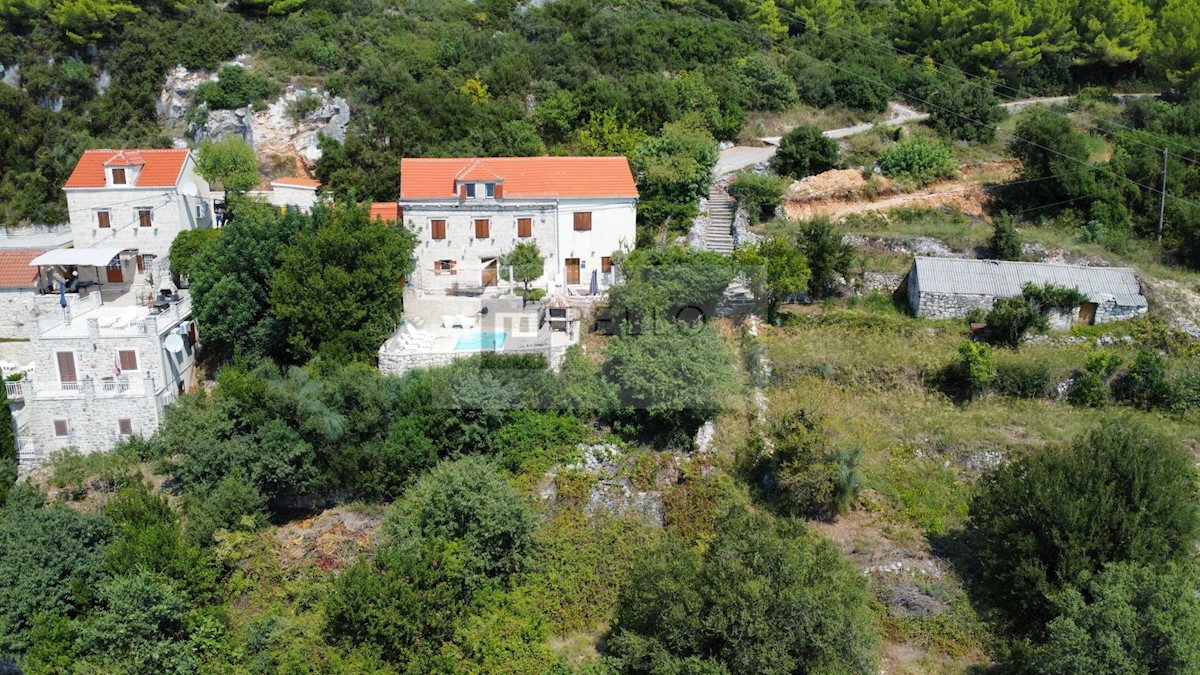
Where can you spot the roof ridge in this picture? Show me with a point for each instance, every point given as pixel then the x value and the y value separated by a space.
pixel 1020 262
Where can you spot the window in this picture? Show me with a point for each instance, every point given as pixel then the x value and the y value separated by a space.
pixel 128 359
pixel 483 228
pixel 104 219
pixel 118 176
pixel 606 264
pixel 470 188
pixel 437 229
pixel 144 217
pixel 145 261
pixel 583 221
pixel 125 427
pixel 61 429
pixel 524 227
pixel 444 267
pixel 490 190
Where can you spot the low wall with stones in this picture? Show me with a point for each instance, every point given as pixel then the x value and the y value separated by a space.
pixel 956 306
pixel 398 363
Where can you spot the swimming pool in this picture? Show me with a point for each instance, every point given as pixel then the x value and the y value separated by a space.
pixel 475 341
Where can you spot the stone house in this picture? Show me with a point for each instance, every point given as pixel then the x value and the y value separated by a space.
pixel 104 368
pixel 137 201
pixel 468 212
pixel 949 288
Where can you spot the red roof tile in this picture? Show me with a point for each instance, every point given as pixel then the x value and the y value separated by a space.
pixel 385 211
pixel 552 177
pixel 15 271
pixel 297 181
pixel 160 168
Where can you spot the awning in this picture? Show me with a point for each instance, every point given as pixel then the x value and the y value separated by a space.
pixel 94 257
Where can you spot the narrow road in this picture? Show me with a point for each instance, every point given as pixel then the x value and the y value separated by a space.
pixel 741 156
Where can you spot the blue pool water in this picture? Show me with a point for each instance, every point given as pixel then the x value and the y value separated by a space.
pixel 474 341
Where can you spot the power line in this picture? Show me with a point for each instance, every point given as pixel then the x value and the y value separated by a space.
pixel 967 77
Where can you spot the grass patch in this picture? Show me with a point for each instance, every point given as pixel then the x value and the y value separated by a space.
pixel 760 124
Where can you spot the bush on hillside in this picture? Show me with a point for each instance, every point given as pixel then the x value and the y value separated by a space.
pixel 760 194
pixel 1047 523
pixel 804 151
pixel 235 87
pixel 1005 243
pixel 919 160
pixel 1024 379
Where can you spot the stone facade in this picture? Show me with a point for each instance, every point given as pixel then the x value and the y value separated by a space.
pixel 52 410
pixel 954 306
pixel 552 229
pixel 172 211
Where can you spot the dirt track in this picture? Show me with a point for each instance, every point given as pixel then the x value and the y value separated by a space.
pixel 965 193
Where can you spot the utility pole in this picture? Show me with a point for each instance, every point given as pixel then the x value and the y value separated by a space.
pixel 1162 206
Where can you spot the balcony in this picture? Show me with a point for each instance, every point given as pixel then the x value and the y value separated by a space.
pixel 27 451
pixel 132 385
pixel 15 390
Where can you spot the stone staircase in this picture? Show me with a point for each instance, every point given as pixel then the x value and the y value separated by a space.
pixel 721 208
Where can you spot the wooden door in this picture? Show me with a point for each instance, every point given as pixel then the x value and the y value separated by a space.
pixel 490 273
pixel 66 367
pixel 115 275
pixel 572 270
pixel 1087 313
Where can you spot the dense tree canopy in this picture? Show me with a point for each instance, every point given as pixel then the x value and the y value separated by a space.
pixel 1047 523
pixel 717 611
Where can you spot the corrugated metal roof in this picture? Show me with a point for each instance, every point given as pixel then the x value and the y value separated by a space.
pixel 1004 279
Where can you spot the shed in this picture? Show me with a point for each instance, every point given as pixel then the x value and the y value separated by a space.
pixel 949 288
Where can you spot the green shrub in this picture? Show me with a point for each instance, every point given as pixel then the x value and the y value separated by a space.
pixel 1050 521
pixel 1146 385
pixel 917 159
pixel 235 87
pixel 1009 320
pixel 1024 379
pixel 804 151
pixel 1005 243
pixel 533 294
pixel 1088 391
pixel 977 364
pixel 760 194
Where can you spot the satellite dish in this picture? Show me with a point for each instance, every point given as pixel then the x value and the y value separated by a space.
pixel 174 344
pixel 189 189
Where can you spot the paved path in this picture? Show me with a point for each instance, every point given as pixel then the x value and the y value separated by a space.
pixel 740 156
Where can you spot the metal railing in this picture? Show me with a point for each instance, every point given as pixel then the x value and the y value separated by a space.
pixel 76 307
pixel 27 451
pixel 15 389
pixel 171 316
pixel 134 386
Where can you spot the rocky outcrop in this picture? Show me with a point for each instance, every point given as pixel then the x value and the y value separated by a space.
pixel 275 131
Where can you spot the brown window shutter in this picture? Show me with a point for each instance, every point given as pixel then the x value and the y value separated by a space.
pixel 104 219
pixel 144 217
pixel 66 367
pixel 524 227
pixel 583 221
pixel 125 427
pixel 141 263
pixel 118 176
pixel 61 428
pixel 462 191
pixel 499 190
pixel 128 359
pixel 437 229
pixel 606 264
pixel 482 228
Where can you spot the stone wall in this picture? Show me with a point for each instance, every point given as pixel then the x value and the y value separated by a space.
pixel 956 306
pixel 93 419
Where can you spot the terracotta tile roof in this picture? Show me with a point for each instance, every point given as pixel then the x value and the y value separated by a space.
pixel 15 271
pixel 126 158
pixel 385 211
pixel 552 177
pixel 297 181
pixel 160 168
